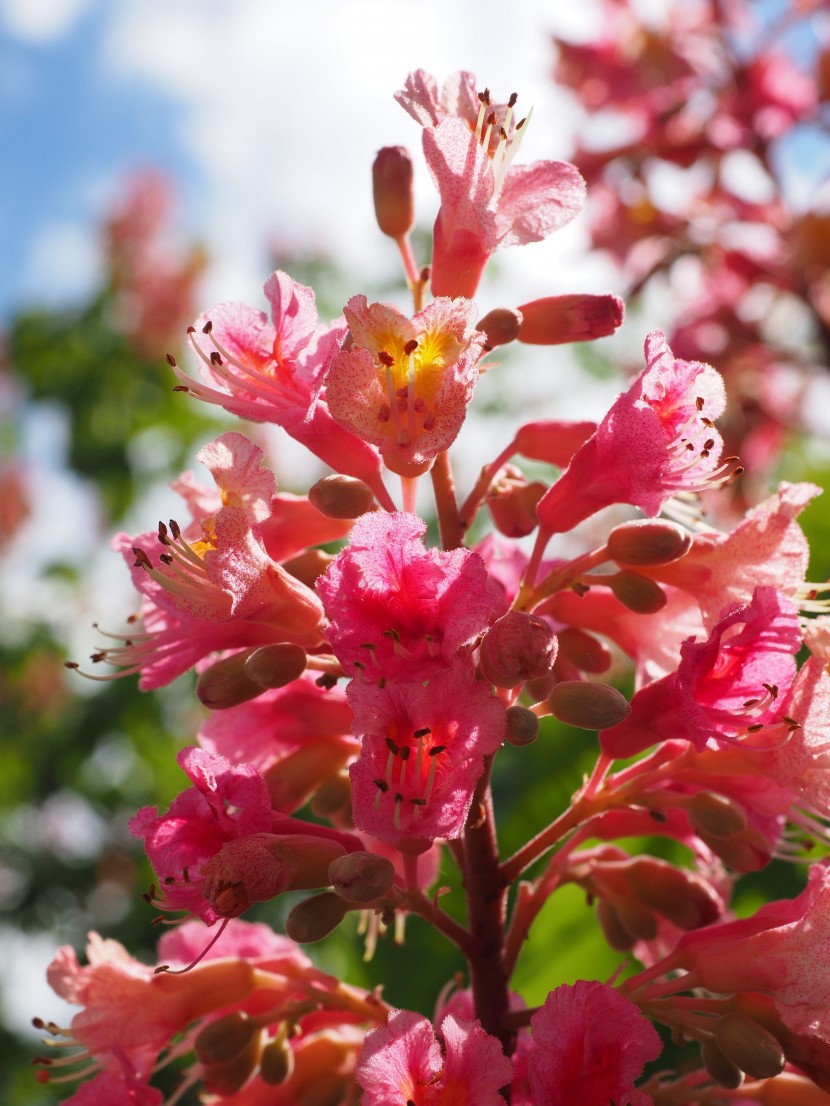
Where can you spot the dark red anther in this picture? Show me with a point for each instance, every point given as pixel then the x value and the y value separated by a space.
pixel 410 346
pixel 208 327
pixel 386 358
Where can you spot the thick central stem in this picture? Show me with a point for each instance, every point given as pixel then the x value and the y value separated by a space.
pixel 486 904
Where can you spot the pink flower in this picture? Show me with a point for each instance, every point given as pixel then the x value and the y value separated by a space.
pixel 424 743
pixel 779 951
pixel 272 371
pixel 404 384
pixel 725 689
pixel 402 1062
pixel 591 1045
pixel 393 603
pixel 297 736
pixel 221 847
pixel 658 439
pixel 469 144
pixel 767 547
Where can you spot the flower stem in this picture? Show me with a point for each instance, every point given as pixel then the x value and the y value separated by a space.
pixel 449 521
pixel 486 904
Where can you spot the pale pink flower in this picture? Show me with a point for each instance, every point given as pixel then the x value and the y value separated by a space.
pixel 486 204
pixel 272 371
pixel 404 384
pixel 725 689
pixel 657 439
pixel 393 603
pixel 424 742
pixel 403 1062
pixel 592 1043
pixel 767 547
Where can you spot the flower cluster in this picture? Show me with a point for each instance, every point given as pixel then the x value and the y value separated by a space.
pixel 361 686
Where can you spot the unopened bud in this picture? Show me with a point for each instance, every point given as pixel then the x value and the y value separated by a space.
pixel 749 1045
pixel 584 651
pixel 636 918
pixel 552 440
pixel 521 726
pixel 500 326
pixel 512 501
pixel 573 318
pixel 648 541
pixel 614 931
pixel 229 1051
pixel 308 566
pixel 276 1065
pixel 720 1067
pixel 392 191
pixel 716 815
pixel 362 877
pixel 333 800
pixel 588 706
pixel 339 496
pixel 227 684
pixel 517 647
pixel 681 896
pixel 315 918
pixel 638 592
pixel 276 665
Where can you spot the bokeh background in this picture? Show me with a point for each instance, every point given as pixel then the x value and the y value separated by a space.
pixel 157 157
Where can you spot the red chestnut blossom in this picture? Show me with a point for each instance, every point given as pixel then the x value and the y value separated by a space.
pixel 424 743
pixel 591 1045
pixel 404 384
pixel 658 439
pixel 393 602
pixel 272 371
pixel 779 951
pixel 767 547
pixel 725 689
pixel 297 736
pixel 469 144
pixel 402 1062
pixel 221 847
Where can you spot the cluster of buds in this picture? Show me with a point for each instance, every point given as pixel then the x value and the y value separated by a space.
pixel 378 688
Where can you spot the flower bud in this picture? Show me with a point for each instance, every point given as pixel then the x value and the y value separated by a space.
pixel 228 1048
pixel 333 800
pixel 648 541
pixel 584 651
pixel 588 706
pixel 501 325
pixel 338 496
pixel 637 592
pixel 276 665
pixel 574 318
pixel 614 931
pixel 715 814
pixel 362 877
pixel 682 897
pixel 315 918
pixel 512 501
pixel 308 566
pixel 720 1067
pixel 521 726
pixel 227 683
pixel 636 919
pixel 276 1065
pixel 749 1045
pixel 392 191
pixel 517 647
pixel 552 441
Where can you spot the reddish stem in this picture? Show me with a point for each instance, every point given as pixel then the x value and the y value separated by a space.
pixel 449 522
pixel 487 907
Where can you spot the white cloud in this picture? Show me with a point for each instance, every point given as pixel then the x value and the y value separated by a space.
pixel 41 21
pixel 284 106
pixel 64 263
